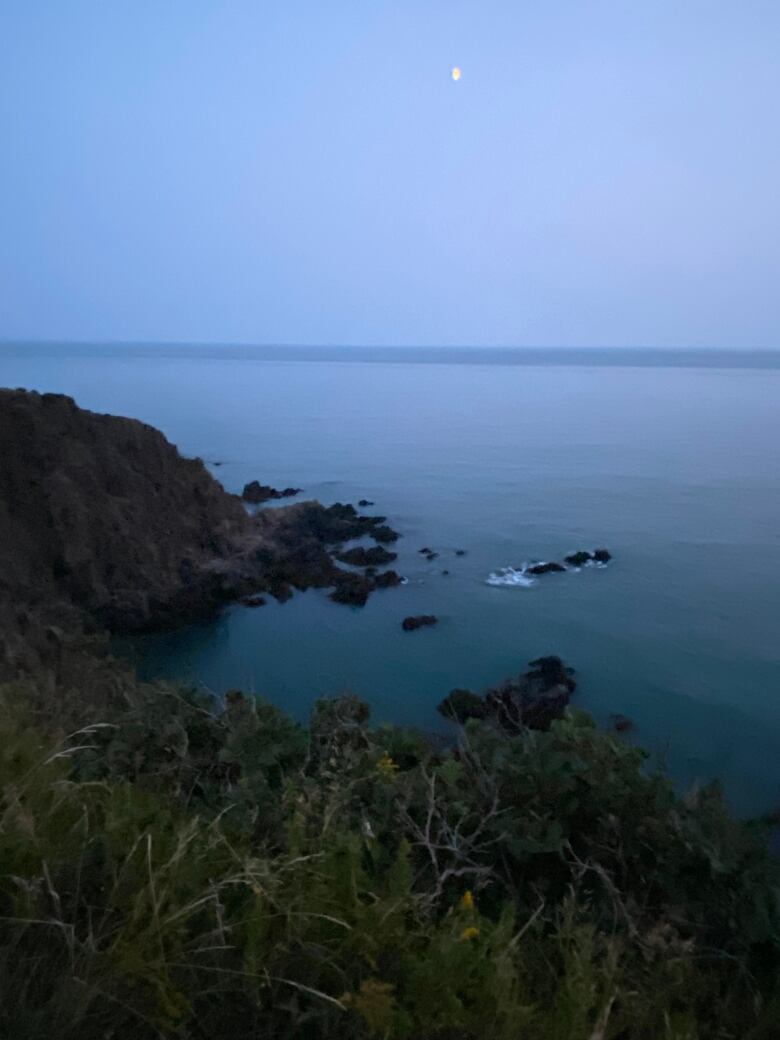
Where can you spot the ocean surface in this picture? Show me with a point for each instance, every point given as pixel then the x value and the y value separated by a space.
pixel 670 460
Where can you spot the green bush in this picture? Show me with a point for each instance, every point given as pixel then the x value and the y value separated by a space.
pixel 182 871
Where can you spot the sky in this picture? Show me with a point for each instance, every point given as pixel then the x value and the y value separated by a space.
pixel 309 172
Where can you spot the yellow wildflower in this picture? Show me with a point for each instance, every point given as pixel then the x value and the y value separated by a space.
pixel 467 900
pixel 469 933
pixel 374 1002
pixel 386 766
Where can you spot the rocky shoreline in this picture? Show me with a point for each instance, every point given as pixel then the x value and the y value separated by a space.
pixel 105 526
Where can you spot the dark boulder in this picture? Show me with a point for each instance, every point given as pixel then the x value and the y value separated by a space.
pixel 621 723
pixel 376 556
pixel 364 502
pixel 256 492
pixel 352 589
pixel 281 591
pixel 461 705
pixel 384 534
pixel 533 700
pixel 545 568
pixel 460 552
pixel 579 558
pixel 387 580
pixel 409 624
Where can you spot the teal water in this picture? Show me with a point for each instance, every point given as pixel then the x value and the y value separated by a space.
pixel 671 461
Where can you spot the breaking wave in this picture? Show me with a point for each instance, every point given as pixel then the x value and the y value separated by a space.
pixel 511 577
pixel 520 577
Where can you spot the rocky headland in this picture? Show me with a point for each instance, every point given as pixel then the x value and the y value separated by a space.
pixel 104 525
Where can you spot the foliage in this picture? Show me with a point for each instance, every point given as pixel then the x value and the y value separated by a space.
pixel 176 869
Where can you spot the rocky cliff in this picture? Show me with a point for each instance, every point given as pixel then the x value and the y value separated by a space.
pixel 103 522
pixel 104 513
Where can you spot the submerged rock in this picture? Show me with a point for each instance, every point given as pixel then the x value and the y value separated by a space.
pixel 364 502
pixel 460 552
pixel 533 700
pixel 621 723
pixel 409 624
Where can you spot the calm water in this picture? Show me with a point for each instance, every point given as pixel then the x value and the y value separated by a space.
pixel 674 468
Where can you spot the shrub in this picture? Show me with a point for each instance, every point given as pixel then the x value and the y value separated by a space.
pixel 184 871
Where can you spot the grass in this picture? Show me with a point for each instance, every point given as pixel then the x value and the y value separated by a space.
pixel 180 870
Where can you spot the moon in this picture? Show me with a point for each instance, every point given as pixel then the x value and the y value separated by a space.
pixel 456 74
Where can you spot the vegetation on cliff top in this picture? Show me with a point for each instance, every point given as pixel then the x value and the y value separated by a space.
pixel 175 869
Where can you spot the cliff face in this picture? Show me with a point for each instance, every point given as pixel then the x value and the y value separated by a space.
pixel 102 512
pixel 103 522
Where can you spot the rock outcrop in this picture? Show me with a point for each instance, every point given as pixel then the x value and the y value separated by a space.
pixel 545 568
pixel 533 700
pixel 376 556
pixel 579 559
pixel 256 493
pixel 103 523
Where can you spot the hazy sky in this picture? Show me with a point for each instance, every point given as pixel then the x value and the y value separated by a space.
pixel 604 173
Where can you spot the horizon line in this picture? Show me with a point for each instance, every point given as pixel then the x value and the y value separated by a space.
pixel 270 345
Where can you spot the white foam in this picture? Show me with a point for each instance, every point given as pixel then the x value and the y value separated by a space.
pixel 510 577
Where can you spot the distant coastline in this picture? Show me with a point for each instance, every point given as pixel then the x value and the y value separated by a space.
pixel 580 357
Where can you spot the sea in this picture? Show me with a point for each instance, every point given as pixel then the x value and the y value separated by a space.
pixel 669 459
